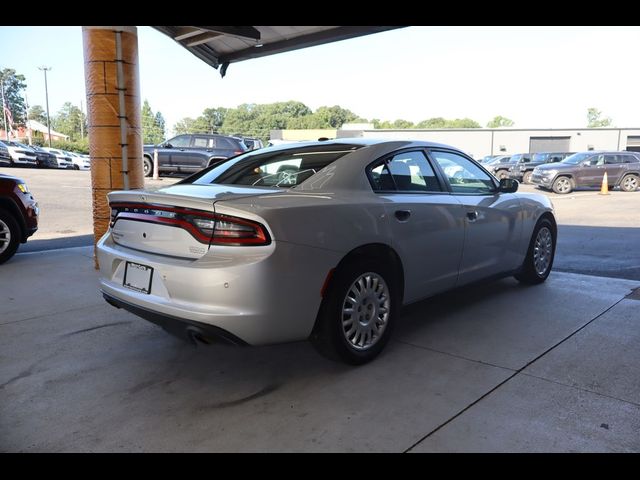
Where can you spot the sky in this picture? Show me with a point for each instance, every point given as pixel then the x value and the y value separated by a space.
pixel 540 77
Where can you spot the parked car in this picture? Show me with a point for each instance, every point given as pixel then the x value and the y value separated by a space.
pixel 191 152
pixel 252 143
pixel 523 170
pixel 5 156
pixel 44 159
pixel 488 158
pixel 64 160
pixel 499 166
pixel 18 215
pixel 80 162
pixel 21 154
pixel 587 169
pixel 319 240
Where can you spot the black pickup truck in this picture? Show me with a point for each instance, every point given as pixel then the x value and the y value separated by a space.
pixel 190 153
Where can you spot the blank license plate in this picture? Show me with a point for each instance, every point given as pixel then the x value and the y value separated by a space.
pixel 137 277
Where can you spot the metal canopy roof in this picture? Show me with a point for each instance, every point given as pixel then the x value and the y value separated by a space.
pixel 220 46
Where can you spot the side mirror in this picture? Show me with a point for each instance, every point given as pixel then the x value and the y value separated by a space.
pixel 508 185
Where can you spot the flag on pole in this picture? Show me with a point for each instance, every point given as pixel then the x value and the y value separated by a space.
pixel 9 120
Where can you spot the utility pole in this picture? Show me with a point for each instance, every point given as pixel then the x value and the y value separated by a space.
pixel 46 92
pixel 4 112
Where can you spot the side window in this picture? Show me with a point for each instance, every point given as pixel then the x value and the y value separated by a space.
pixel 405 172
pixel 463 175
pixel 200 142
pixel 381 178
pixel 411 172
pixel 613 159
pixel 630 159
pixel 181 141
pixel 225 143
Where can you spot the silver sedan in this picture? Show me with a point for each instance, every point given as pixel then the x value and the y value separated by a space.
pixel 322 241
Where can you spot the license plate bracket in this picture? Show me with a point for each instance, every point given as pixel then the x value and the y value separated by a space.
pixel 138 277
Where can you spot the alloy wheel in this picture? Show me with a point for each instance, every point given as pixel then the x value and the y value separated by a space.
pixel 365 311
pixel 542 251
pixel 630 183
pixel 5 236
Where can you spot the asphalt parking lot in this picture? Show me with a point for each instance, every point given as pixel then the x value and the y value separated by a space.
pixel 494 367
pixel 498 367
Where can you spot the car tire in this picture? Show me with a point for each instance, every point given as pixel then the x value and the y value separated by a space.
pixel 76 167
pixel 9 230
pixel 563 185
pixel 526 177
pixel 542 249
pixel 500 174
pixel 147 166
pixel 629 183
pixel 379 299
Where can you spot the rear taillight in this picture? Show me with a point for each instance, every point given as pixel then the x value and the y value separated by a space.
pixel 238 231
pixel 206 227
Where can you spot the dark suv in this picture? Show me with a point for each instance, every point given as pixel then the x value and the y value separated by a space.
pixel 523 170
pixel 5 156
pixel 500 166
pixel 587 169
pixel 190 153
pixel 18 215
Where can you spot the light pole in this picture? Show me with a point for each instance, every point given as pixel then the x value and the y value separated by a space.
pixel 46 92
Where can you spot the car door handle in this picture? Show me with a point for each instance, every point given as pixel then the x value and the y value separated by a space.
pixel 403 215
pixel 472 216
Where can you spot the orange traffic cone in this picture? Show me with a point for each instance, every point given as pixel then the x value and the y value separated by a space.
pixel 604 190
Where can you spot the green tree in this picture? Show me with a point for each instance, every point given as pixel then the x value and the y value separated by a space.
pixel 160 126
pixel 594 119
pixel 191 125
pixel 38 114
pixel 214 117
pixel 435 122
pixel 462 123
pixel 402 124
pixel 152 125
pixel 500 121
pixel 334 117
pixel 13 85
pixel 68 121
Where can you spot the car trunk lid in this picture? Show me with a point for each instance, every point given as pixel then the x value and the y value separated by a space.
pixel 173 220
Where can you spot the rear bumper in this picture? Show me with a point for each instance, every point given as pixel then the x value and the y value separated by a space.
pixel 257 297
pixel 179 327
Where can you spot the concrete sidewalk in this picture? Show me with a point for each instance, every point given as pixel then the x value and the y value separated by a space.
pixel 498 367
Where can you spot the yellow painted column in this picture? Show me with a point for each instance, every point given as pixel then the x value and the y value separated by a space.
pixel 104 49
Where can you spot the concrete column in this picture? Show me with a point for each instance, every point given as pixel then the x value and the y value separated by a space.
pixel 104 114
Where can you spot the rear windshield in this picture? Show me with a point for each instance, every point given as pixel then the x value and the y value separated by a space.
pixel 281 168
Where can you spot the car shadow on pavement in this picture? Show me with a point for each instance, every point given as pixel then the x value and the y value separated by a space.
pixel 56 243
